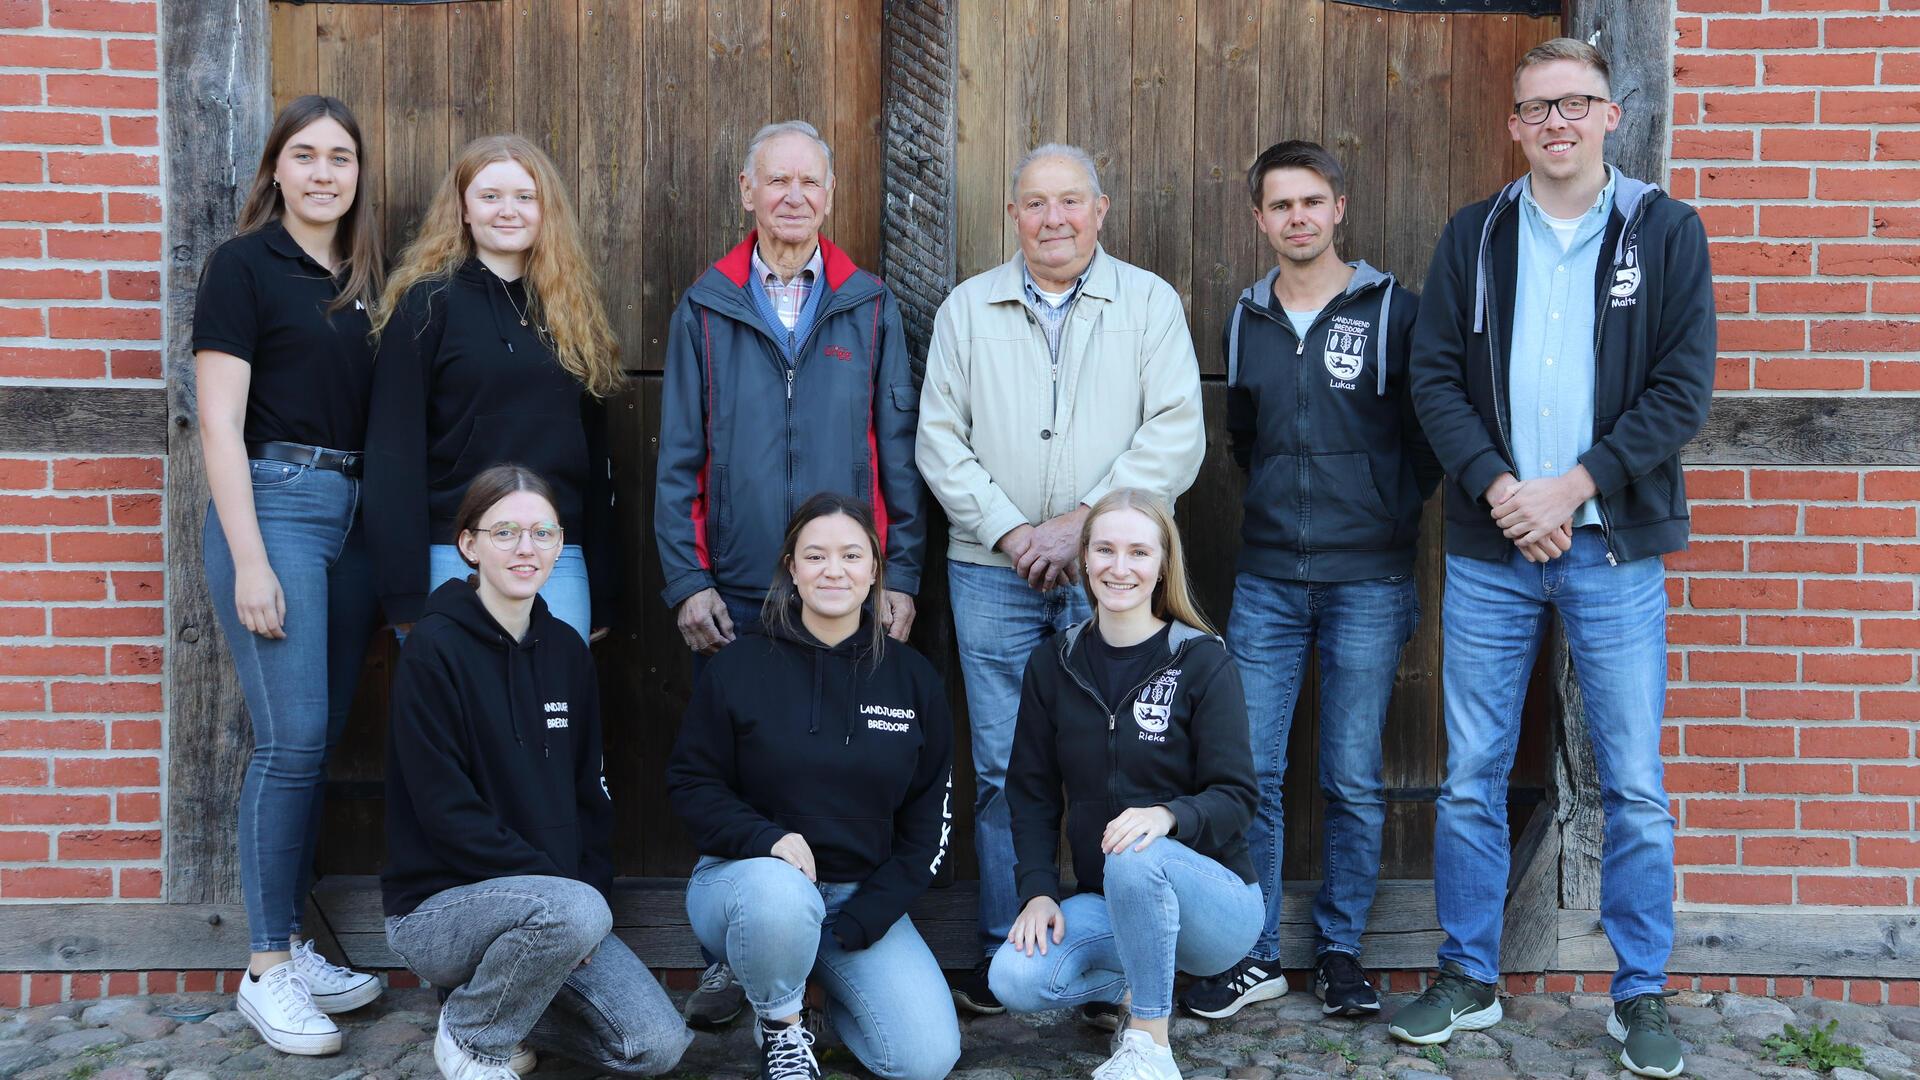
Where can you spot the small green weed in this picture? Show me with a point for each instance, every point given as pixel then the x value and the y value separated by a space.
pixel 1342 1047
pixel 1435 1055
pixel 1815 1048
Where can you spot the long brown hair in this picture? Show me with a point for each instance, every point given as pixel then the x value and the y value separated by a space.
pixel 777 609
pixel 356 243
pixel 1172 596
pixel 563 292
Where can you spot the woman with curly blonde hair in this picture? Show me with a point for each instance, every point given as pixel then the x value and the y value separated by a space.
pixel 493 346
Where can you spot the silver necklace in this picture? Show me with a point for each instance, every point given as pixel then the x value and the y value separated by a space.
pixel 516 307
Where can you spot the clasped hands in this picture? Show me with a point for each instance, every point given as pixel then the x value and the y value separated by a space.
pixel 1537 515
pixel 1045 554
pixel 1042 923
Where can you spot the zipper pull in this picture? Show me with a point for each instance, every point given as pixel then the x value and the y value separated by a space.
pixel 1611 561
pixel 789 383
pixel 1301 349
pixel 1109 721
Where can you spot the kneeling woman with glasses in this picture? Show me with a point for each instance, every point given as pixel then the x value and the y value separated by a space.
pixel 813 771
pixel 1132 724
pixel 498 818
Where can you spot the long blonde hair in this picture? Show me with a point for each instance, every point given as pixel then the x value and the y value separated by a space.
pixel 563 292
pixel 356 243
pixel 1172 597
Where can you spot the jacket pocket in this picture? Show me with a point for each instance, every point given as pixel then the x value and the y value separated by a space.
pixel 1346 512
pixel 906 398
pixel 1271 504
pixel 722 510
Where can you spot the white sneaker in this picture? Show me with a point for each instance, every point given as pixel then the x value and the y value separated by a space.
pixel 456 1064
pixel 280 1007
pixel 523 1060
pixel 335 989
pixel 1138 1058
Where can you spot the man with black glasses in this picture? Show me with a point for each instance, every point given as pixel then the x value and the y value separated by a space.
pixel 1563 356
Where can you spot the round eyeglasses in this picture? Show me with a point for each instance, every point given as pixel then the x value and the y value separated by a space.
pixel 1571 107
pixel 506 534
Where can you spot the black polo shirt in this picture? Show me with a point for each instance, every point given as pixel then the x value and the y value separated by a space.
pixel 265 301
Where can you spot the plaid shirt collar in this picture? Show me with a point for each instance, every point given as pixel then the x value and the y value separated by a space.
pixel 789 298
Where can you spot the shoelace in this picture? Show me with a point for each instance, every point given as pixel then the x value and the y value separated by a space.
pixel 306 956
pixel 790 1053
pixel 292 994
pixel 1443 990
pixel 718 977
pixel 1129 1060
pixel 1649 1011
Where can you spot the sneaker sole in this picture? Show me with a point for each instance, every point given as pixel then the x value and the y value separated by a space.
pixel 290 1042
pixel 1266 991
pixel 713 1023
pixel 1619 1032
pixel 523 1062
pixel 1473 1021
pixel 961 999
pixel 348 1000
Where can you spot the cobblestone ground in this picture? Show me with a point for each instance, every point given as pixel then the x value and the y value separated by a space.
pixel 1544 1035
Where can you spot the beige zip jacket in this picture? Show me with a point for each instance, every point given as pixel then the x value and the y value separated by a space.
pixel 1005 441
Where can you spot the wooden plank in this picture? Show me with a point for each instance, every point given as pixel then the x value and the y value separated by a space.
pixel 546 83
pixel 802 76
pixel 352 66
pixel 1292 69
pixel 1833 945
pixel 84 419
pixel 480 87
pixel 677 197
pixel 857 140
pixel 612 191
pixel 738 48
pixel 1356 124
pixel 122 937
pixel 1035 83
pixel 1638 42
pixel 1228 251
pixel 417 115
pixel 1099 114
pixel 1161 180
pixel 1576 776
pixel 214 67
pixel 1808 431
pixel 1530 932
pixel 294 37
pixel 1479 163
pixel 980 119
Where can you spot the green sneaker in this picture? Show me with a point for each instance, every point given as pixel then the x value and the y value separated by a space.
pixel 1641 1023
pixel 1453 1003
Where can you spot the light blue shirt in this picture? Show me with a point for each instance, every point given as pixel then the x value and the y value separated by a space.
pixel 1550 370
pixel 1302 321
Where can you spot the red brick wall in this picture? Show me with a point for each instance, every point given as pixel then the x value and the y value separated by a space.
pixel 81 615
pixel 1794 706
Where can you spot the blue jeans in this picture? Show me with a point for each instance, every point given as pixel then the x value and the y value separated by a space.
pixel 1358 629
pixel 1166 907
pixel 888 1001
pixel 510 949
pixel 565 592
pixel 310 522
pixel 1616 625
pixel 998 620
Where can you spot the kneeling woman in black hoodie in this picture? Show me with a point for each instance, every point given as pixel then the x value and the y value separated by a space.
pixel 498 819
pixel 1137 714
pixel 813 771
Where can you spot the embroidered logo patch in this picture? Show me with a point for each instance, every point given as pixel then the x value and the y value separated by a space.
pixel 1153 708
pixel 838 352
pixel 1346 350
pixel 1626 278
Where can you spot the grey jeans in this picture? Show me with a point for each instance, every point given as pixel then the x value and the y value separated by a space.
pixel 511 950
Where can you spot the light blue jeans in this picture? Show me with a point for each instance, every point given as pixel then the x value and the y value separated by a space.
pixel 1615 617
pixel 1168 907
pixel 566 591
pixel 998 620
pixel 511 950
pixel 888 1001
pixel 310 522
pixel 1358 629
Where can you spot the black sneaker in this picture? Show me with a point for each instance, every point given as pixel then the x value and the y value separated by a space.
pixel 1342 987
pixel 786 1052
pixel 718 999
pixel 1105 1015
pixel 971 992
pixel 1217 997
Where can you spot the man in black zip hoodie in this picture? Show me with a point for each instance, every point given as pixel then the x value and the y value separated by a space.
pixel 1320 416
pixel 1563 357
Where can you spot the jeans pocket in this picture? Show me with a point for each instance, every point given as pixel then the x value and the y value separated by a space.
pixel 272 475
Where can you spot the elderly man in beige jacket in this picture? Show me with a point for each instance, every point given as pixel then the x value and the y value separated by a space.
pixel 1051 380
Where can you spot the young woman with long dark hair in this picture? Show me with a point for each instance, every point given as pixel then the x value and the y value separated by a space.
pixel 499 859
pixel 813 771
pixel 284 372
pixel 1132 726
pixel 494 346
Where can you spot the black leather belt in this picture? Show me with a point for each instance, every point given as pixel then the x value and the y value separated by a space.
pixel 317 457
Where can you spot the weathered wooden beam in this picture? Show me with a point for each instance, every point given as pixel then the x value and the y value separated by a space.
pixel 1531 927
pixel 219 105
pixel 122 937
pixel 1637 38
pixel 918 255
pixel 1576 780
pixel 83 419
pixel 1809 431
pixel 1763 943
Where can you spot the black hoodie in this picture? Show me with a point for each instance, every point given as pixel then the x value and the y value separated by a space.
pixel 768 748
pixel 493 755
pixel 460 385
pixel 1182 744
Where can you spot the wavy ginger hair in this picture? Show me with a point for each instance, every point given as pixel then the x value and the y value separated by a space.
pixel 563 292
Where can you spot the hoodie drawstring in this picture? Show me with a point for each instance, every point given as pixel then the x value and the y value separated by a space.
pixel 1380 339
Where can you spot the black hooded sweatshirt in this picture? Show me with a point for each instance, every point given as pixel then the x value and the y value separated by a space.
pixel 786 734
pixel 493 755
pixel 460 386
pixel 1180 743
